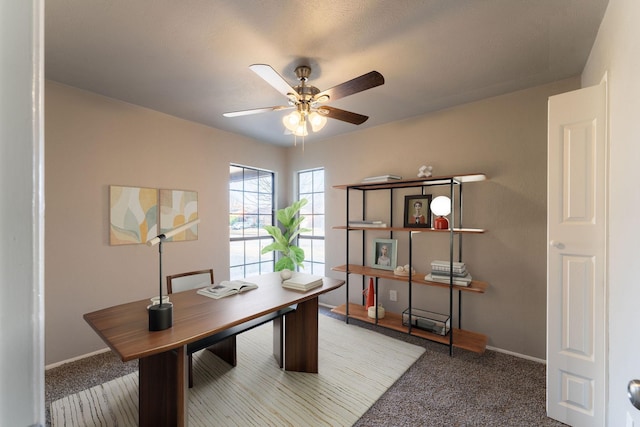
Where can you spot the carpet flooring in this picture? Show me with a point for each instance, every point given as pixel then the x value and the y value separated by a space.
pixel 467 389
pixel 356 367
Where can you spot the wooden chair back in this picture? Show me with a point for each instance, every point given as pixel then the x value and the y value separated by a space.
pixel 191 280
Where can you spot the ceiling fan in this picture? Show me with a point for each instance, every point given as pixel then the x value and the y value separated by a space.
pixel 308 101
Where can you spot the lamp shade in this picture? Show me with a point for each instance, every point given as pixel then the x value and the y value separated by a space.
pixel 291 121
pixel 301 129
pixel 441 206
pixel 317 121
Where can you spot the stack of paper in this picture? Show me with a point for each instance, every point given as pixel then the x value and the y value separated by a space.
pixel 363 223
pixel 458 281
pixel 302 282
pixel 382 178
pixel 444 271
pixel 443 267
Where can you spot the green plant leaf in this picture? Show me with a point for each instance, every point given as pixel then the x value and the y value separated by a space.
pixel 283 218
pixel 283 263
pixel 297 254
pixel 301 230
pixel 275 246
pixel 291 255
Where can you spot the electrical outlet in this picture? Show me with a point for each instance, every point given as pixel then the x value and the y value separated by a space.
pixel 393 295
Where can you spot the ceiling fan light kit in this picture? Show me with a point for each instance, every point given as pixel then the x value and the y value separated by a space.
pixel 308 100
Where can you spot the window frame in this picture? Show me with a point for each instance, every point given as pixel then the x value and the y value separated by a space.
pixel 250 232
pixel 311 263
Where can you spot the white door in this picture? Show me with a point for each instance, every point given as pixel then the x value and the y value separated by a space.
pixel 576 257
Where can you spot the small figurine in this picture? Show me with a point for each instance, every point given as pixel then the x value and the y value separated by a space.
pixel 424 171
pixel 404 270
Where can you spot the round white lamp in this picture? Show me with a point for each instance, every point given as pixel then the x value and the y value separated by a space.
pixel 441 206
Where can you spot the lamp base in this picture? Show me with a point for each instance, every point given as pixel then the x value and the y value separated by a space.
pixel 441 223
pixel 160 317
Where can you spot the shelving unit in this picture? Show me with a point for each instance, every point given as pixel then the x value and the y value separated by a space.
pixel 457 337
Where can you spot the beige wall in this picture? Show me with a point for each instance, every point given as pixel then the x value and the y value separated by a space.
pixel 503 137
pixel 92 142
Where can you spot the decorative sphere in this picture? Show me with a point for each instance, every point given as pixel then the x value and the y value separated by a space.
pixel 285 274
pixel 441 206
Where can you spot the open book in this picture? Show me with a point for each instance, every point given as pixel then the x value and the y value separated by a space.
pixel 226 288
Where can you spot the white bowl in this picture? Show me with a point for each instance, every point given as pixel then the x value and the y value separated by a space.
pixel 156 300
pixel 371 312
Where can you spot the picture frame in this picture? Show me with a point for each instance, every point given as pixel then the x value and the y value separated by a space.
pixel 417 212
pixel 385 254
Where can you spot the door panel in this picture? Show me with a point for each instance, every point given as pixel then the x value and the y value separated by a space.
pixel 576 257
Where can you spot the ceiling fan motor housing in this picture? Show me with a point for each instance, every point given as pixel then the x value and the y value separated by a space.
pixel 303 72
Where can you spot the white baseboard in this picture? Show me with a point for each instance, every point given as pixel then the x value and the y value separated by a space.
pixel 75 359
pixel 522 356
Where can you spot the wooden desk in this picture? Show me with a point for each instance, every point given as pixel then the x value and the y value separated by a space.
pixel 163 388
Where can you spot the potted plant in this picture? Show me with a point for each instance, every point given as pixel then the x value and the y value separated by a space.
pixel 291 256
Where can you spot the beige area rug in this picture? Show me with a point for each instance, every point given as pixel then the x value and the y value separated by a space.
pixel 356 366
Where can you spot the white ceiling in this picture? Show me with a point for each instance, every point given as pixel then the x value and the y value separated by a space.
pixel 190 58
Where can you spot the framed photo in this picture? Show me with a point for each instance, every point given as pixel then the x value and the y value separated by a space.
pixel 385 253
pixel 417 213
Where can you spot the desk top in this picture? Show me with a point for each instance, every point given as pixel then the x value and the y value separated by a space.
pixel 125 327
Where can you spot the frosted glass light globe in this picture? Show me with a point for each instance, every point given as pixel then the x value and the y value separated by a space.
pixel 441 206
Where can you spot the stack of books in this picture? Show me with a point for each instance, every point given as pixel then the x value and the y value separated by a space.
pixel 302 282
pixel 441 271
pixel 382 178
pixel 363 223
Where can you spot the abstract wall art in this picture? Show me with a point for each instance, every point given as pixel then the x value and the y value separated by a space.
pixel 178 207
pixel 133 214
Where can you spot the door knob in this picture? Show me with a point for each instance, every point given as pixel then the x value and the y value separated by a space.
pixel 556 244
pixel 633 391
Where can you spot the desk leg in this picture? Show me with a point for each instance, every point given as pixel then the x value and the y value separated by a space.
pixel 163 391
pixel 301 338
pixel 278 337
pixel 226 350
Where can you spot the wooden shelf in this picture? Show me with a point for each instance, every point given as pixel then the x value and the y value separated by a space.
pixel 466 340
pixel 457 337
pixel 418 278
pixel 415 182
pixel 413 230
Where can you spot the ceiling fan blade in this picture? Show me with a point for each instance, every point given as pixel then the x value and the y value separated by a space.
pixel 364 82
pixel 255 111
pixel 275 80
pixel 345 116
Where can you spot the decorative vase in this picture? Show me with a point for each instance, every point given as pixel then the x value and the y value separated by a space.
pixel 370 295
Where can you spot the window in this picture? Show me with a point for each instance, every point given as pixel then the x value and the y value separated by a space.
pixel 311 187
pixel 250 207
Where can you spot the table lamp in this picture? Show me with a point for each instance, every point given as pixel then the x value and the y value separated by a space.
pixel 161 314
pixel 441 206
